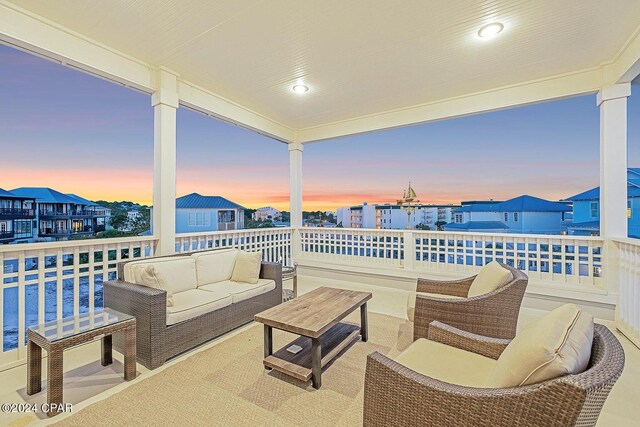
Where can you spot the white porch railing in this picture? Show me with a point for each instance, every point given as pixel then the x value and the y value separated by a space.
pixel 549 258
pixel 46 281
pixel 275 243
pixel 628 307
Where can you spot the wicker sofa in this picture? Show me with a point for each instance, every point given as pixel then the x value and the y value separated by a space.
pixel 395 395
pixel 164 332
pixel 494 314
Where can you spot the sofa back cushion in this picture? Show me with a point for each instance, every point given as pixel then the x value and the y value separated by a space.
pixel 174 276
pixel 490 278
pixel 214 266
pixel 133 269
pixel 247 268
pixel 557 344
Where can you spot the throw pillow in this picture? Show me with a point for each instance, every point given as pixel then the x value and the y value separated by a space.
pixel 149 277
pixel 247 267
pixel 557 344
pixel 490 278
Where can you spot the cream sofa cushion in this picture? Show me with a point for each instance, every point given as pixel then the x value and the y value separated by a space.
pixel 490 278
pixel 148 277
pixel 557 344
pixel 195 302
pixel 247 267
pixel 133 269
pixel 176 276
pixel 411 302
pixel 446 363
pixel 241 291
pixel 214 266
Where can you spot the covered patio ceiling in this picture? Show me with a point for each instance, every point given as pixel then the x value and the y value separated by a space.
pixel 368 64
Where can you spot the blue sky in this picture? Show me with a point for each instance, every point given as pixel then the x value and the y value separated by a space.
pixel 77 133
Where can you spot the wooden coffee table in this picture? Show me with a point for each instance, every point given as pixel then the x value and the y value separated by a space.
pixel 316 317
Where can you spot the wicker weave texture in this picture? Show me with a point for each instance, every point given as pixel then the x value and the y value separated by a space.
pixel 493 315
pixel 397 396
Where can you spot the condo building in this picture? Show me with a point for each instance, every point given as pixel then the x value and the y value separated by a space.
pixel 388 216
pixel 42 214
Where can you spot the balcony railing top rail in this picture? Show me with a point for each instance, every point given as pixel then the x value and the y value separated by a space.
pixel 16 212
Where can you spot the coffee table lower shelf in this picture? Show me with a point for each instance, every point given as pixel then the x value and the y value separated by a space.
pixel 299 365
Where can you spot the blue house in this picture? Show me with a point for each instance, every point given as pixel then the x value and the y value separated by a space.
pixel 524 215
pixel 586 208
pixel 196 213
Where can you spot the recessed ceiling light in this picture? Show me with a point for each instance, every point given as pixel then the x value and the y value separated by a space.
pixel 299 89
pixel 490 30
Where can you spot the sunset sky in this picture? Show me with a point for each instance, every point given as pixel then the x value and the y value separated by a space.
pixel 79 134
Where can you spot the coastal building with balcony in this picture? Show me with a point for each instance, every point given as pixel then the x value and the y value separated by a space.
pixel 522 215
pixel 358 67
pixel 60 216
pixel 265 213
pixel 196 214
pixel 393 217
pixel 586 209
pixel 17 215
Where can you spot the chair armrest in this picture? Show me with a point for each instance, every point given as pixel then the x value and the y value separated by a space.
pixel 454 337
pixel 273 271
pixel 147 304
pixel 458 288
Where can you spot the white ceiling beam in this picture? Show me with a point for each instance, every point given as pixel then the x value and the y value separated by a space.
pixel 40 36
pixel 564 86
pixel 208 103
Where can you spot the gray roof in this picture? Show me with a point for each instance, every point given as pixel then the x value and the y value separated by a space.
pixel 197 201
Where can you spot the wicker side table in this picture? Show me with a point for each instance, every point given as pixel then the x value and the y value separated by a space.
pixel 57 336
pixel 290 273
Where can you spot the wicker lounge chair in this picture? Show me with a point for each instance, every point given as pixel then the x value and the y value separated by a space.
pixel 395 395
pixel 493 315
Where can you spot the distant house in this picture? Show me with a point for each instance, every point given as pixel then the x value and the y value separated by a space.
pixel 586 209
pixel 196 213
pixel 265 213
pixel 17 217
pixel 524 214
pixel 60 216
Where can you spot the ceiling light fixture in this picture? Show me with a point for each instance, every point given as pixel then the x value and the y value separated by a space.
pixel 300 89
pixel 490 30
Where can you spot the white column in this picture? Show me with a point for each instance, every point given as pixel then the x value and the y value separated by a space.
pixel 165 104
pixel 295 196
pixel 613 160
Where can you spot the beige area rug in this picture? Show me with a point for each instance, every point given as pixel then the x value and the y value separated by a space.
pixel 227 385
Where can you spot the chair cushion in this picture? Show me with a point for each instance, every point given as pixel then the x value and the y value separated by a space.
pixel 490 278
pixel 557 344
pixel 133 269
pixel 176 275
pixel 241 291
pixel 148 277
pixel 214 266
pixel 195 302
pixel 247 267
pixel 446 363
pixel 411 302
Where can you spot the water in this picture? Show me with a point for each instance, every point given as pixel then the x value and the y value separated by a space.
pixel 10 306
